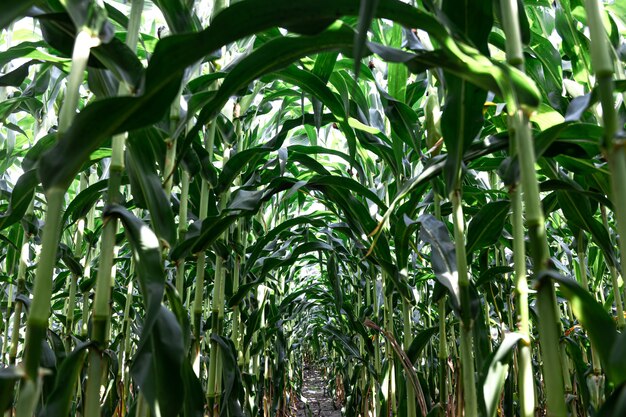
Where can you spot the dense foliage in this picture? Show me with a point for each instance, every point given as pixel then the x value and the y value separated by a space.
pixel 424 198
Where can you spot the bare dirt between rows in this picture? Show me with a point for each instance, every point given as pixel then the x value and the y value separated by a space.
pixel 314 402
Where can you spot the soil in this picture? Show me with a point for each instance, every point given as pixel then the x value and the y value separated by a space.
pixel 314 402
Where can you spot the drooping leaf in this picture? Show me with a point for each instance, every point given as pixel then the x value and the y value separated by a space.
pixel 442 256
pixel 157 366
pixel 233 392
pixel 367 11
pixel 8 378
pixel 140 162
pixel 67 376
pixel 148 267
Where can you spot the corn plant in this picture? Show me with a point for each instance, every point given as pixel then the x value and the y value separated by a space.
pixel 422 199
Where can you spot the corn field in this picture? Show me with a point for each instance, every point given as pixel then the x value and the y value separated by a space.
pixel 202 200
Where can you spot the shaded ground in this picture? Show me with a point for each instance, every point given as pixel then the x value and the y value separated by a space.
pixel 313 402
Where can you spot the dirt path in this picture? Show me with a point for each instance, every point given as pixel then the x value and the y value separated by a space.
pixel 313 401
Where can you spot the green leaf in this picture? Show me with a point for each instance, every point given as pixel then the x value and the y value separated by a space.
pixel 403 232
pixel 462 116
pixel 420 342
pixel 561 138
pixel 575 44
pixel 495 374
pixel 598 324
pixel 397 74
pixel 60 32
pixel 211 230
pixel 270 235
pixel 323 68
pixel 238 162
pixel 193 405
pixel 615 405
pixel 548 61
pixel 104 118
pixel 22 195
pixel 16 77
pixel 201 235
pixel 347 345
pixel 616 360
pixel 461 121
pixel 13 10
pixel 486 226
pixel 272 56
pixel 577 210
pixel 85 200
pixel 177 15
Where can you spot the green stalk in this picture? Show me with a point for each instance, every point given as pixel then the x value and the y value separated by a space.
pixel 87 262
pixel 213 393
pixel 388 320
pixel 526 386
pixel 71 299
pixel 170 146
pixel 101 319
pixel 617 295
pixel 200 267
pixel 546 298
pixel 182 229
pixel 372 279
pixel 217 313
pixel 603 67
pixel 238 241
pixel 442 353
pixel 466 323
pixel 526 382
pixel 125 351
pixel 69 312
pixel 411 410
pixel 37 323
pixel 85 40
pixel 10 264
pixel 619 307
pixel 201 262
pixel 595 380
pixel 21 289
